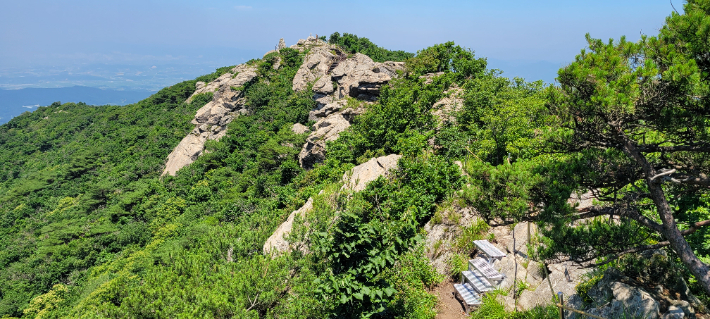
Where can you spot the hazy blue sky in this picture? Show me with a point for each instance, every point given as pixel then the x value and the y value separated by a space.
pixel 55 43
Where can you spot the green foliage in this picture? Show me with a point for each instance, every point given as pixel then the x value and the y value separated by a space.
pixel 501 191
pixel 377 226
pixel 400 121
pixel 68 186
pixel 584 286
pixel 446 57
pixel 457 263
pixel 464 242
pixel 90 229
pixel 352 44
pixel 503 119
pixel 631 111
pixel 126 243
pixel 41 305
pixel 493 309
pixel 86 195
pixel 413 276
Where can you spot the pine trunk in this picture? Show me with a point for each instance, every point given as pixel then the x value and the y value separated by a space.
pixel 700 270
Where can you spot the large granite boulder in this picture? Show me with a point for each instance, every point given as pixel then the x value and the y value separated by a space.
pixel 299 128
pixel 615 299
pixel 357 76
pixel 360 77
pixel 315 67
pixel 277 242
pixel 238 76
pixel 358 178
pixel 335 76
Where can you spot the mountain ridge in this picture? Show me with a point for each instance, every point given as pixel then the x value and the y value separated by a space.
pixel 171 206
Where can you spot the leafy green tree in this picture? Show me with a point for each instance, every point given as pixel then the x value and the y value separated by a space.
pixel 446 57
pixel 636 119
pixel 353 44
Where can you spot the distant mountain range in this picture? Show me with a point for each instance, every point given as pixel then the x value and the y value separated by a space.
pixel 15 102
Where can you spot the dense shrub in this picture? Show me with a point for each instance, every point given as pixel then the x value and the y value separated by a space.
pixel 352 44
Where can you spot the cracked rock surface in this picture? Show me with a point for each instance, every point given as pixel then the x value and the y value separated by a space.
pixel 335 76
pixel 212 119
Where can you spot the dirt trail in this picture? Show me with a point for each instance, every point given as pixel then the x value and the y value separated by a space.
pixel 449 307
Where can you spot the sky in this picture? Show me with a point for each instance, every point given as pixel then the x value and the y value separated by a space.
pixel 149 44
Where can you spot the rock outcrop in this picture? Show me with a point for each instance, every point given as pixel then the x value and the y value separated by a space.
pixel 563 276
pixel 358 178
pixel 335 76
pixel 299 128
pixel 429 77
pixel 277 242
pixel 444 230
pixel 649 295
pixel 325 130
pixel 615 299
pixel 441 235
pixel 211 120
pixel 446 108
pixel 362 78
pixel 355 180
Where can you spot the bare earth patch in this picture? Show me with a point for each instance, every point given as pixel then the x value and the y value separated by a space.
pixel 449 306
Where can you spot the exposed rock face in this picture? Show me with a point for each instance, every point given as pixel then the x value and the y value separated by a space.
pixel 357 76
pixel 277 243
pixel 615 299
pixel 211 120
pixel 299 128
pixel 326 110
pixel 581 201
pixel 446 108
pixel 563 276
pixel 448 229
pixel 616 293
pixel 356 180
pixel 315 65
pixel 362 78
pixel 429 77
pixel 335 76
pixel 282 44
pixel 244 74
pixel 327 129
pixel 441 235
pixel 674 313
pixel 361 175
pixel 324 130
